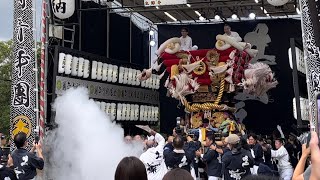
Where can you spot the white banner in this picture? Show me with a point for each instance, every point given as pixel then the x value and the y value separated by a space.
pixel 163 2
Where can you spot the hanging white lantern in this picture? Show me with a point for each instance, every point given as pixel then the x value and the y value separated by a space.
pixel 119 112
pixel 86 70
pixel 94 70
pixel 67 68
pixel 74 66
pixel 137 80
pixel 121 74
pixel 132 112
pixel 110 73
pixel 146 113
pixel 125 76
pixel 114 73
pixel 141 113
pixel 157 113
pixel 134 77
pixel 99 71
pixel 80 67
pixel 104 72
pixel 136 112
pixel 130 75
pixel 108 109
pixel 103 106
pixel 62 62
pixel 63 9
pixel 278 2
pixel 113 111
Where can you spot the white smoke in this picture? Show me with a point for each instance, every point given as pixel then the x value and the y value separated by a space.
pixel 86 145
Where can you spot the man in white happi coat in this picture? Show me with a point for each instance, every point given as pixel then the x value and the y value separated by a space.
pixel 282 155
pixel 232 34
pixel 186 41
pixel 153 158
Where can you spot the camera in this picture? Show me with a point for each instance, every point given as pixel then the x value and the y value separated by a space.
pixel 5 155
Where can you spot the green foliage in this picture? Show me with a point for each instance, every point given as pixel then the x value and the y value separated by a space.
pixel 5 85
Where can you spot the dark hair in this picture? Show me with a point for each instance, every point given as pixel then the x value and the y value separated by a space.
pixel 258 177
pixel 130 168
pixel 280 140
pixel 253 135
pixel 227 25
pixel 20 139
pixel 178 174
pixel 243 143
pixel 178 142
pixel 212 138
pixel 184 28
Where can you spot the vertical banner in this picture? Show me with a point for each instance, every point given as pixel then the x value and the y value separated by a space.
pixel 311 42
pixel 23 94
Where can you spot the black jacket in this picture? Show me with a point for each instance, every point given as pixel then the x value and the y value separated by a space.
pixel 178 159
pixel 236 165
pixel 258 153
pixel 6 173
pixel 26 163
pixel 213 165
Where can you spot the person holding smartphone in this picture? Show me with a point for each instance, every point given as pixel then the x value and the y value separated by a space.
pixel 26 163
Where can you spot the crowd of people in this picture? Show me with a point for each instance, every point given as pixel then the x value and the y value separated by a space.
pixel 21 164
pixel 234 157
pixel 182 157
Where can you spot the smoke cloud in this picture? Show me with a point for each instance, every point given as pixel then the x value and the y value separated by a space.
pixel 86 145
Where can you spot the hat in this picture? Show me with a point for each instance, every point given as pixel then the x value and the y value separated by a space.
pixel 3 137
pixel 232 139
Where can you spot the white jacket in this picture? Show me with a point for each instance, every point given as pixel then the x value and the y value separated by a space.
pixel 154 161
pixel 283 158
pixel 235 36
pixel 186 43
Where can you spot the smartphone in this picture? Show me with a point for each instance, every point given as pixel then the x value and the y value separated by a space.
pixel 36 139
pixel 318 113
pixel 5 154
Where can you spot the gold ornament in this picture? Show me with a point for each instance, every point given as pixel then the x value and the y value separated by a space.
pixel 201 69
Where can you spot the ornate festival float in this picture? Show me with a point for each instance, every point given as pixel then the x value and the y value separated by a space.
pixel 206 82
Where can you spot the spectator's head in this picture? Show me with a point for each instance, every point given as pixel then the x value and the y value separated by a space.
pixel 130 168
pixel 170 139
pixel 210 140
pixel 178 143
pixel 137 138
pixel 20 140
pixel 184 31
pixel 278 143
pixel 252 139
pixel 128 139
pixel 227 29
pixel 233 141
pixel 3 140
pixel 178 174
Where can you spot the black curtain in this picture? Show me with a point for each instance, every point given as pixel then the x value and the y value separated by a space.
pixel 261 118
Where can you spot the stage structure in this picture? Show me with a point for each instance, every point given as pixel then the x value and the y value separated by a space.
pixel 182 13
pixel 24 92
